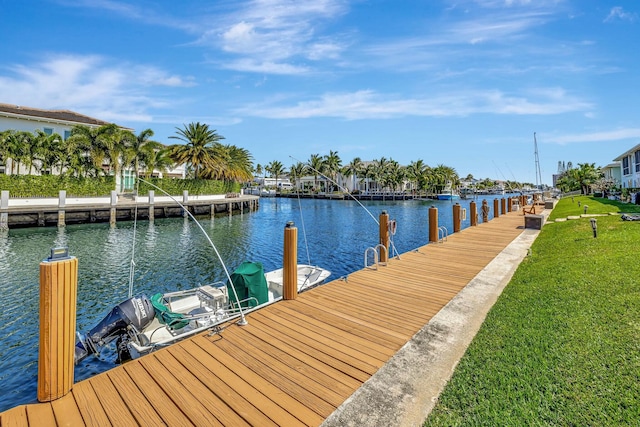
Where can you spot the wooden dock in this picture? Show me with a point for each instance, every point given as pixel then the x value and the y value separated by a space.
pixel 296 361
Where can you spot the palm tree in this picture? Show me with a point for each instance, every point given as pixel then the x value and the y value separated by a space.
pixel 298 171
pixel 197 152
pixel 316 164
pixel 141 148
pixel 416 173
pixel 233 164
pixel 585 175
pixel 276 169
pixel 118 152
pixel 91 147
pixel 353 169
pixel 332 164
pixel 50 151
pixel 157 160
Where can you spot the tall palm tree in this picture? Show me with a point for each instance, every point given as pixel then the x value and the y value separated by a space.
pixel 316 165
pixel 353 170
pixel 157 160
pixel 141 148
pixel 276 169
pixel 234 164
pixel 332 165
pixel 91 147
pixel 50 151
pixel 298 171
pixel 197 152
pixel 415 172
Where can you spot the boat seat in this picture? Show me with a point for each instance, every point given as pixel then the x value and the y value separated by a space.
pixel 167 317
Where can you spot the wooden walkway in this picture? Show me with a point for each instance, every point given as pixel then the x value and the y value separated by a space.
pixel 296 361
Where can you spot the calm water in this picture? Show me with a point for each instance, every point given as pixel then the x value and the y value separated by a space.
pixel 172 254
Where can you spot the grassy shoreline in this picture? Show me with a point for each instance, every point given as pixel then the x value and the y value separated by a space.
pixel 561 346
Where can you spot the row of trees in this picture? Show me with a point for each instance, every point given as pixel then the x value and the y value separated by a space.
pixel 584 178
pixel 106 150
pixel 382 174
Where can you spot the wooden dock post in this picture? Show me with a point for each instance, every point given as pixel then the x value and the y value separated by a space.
pixel 58 290
pixel 4 204
pixel 457 217
pixel 62 199
pixel 152 201
pixel 290 267
pixel 496 210
pixel 485 211
pixel 112 212
pixel 433 224
pixel 509 201
pixel 473 212
pixel 384 236
pixel 503 206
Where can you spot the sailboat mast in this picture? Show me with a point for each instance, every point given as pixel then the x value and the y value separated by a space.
pixel 538 174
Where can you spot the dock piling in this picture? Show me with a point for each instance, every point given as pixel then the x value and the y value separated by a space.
pixel 473 212
pixel 58 294
pixel 290 267
pixel 503 206
pixel 384 236
pixel 433 224
pixel 457 217
pixel 485 211
pixel 496 210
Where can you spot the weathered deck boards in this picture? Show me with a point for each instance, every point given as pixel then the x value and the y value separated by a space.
pixel 296 361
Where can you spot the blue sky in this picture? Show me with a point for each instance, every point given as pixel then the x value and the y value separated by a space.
pixel 463 83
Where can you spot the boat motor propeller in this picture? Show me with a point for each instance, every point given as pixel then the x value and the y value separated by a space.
pixel 135 313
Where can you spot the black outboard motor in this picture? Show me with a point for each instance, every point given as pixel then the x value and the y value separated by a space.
pixel 136 313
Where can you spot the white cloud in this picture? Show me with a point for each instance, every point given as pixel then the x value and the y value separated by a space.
pixel 367 104
pixel 602 136
pixel 91 84
pixel 270 36
pixel 617 13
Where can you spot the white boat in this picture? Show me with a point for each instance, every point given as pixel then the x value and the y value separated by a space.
pixel 141 325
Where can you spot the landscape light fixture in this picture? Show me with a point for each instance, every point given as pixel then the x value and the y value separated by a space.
pixel 585 208
pixel 594 227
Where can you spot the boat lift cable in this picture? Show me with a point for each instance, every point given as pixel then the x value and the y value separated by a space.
pixel 132 266
pixel 304 231
pixel 349 194
pixel 243 321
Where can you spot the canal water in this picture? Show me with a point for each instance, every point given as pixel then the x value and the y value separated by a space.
pixel 173 254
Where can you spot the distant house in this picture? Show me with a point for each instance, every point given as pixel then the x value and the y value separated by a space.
pixel 630 167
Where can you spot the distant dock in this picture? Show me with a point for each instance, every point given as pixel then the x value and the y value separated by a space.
pixel 61 211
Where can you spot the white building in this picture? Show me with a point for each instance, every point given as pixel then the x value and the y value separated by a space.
pixel 630 167
pixel 20 118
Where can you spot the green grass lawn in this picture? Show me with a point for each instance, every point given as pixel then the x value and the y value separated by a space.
pixel 562 344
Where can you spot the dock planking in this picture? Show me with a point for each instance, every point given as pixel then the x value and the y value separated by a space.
pixel 296 361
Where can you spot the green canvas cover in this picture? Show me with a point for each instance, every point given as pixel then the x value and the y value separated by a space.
pixel 249 281
pixel 164 315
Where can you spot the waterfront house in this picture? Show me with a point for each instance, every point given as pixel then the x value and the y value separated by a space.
pixel 20 118
pixel 630 167
pixel 61 122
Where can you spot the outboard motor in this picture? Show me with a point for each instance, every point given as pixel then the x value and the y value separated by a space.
pixel 135 313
